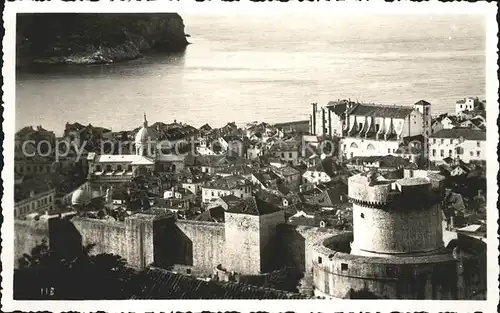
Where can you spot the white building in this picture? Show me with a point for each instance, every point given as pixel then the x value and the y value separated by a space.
pixel 33 196
pixel 231 185
pixel 377 130
pixel 111 168
pixel 467 104
pixel 458 143
pixel 287 151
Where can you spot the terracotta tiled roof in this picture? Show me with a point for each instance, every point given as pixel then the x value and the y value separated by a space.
pixel 74 127
pixel 228 183
pixel 339 107
pixel 160 284
pixel 378 110
pixel 37 185
pixel 466 133
pixel 253 206
pixel 215 214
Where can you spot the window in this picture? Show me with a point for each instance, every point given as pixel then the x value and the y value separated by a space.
pixel 362 215
pixel 129 168
pixel 40 168
pixel 442 141
pixel 21 169
pixel 212 193
pixel 478 144
pixel 433 152
pixel 119 167
pixel 320 260
pixel 450 152
pixel 434 141
pixel 34 169
pixel 442 153
pixel 389 150
pixel 478 153
pixel 344 266
pixel 290 155
pixel 98 168
pixel 188 271
pixel 471 153
pixel 109 168
pixel 28 168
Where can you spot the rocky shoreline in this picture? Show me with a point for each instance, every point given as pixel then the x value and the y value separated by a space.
pixel 96 38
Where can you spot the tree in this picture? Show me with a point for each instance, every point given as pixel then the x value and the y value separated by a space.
pixel 49 274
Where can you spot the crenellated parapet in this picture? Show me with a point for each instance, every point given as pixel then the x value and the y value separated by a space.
pixel 373 190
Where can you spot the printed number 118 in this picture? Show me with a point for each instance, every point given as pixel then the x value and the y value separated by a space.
pixel 48 291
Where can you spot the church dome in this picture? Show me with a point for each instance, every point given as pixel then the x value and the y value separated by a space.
pixel 79 197
pixel 144 134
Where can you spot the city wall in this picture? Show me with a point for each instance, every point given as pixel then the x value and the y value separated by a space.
pixel 105 236
pixel 269 258
pixel 27 235
pixel 338 274
pixel 199 245
pixel 242 252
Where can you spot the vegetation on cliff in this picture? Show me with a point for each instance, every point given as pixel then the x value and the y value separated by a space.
pixel 95 38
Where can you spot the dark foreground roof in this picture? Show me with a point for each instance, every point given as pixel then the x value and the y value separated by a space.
pixel 161 284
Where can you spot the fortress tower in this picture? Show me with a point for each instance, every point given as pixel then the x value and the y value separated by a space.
pixel 396 249
pixel 396 217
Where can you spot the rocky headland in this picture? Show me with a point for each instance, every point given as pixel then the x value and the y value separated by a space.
pixel 85 38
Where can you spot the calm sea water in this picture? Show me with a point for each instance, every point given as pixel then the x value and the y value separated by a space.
pixel 245 68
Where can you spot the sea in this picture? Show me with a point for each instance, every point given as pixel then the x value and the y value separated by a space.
pixel 244 68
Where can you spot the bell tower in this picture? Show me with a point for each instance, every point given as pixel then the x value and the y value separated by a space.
pixel 424 108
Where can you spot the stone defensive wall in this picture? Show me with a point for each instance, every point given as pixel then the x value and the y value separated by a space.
pixel 339 274
pixel 199 245
pixel 295 244
pixel 142 239
pixel 105 236
pixel 27 235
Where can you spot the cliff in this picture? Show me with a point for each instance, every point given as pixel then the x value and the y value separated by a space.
pixel 78 38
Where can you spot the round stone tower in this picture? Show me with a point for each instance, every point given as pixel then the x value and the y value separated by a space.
pixel 395 217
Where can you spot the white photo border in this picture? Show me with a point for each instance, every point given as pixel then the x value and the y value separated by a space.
pixel 488 10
